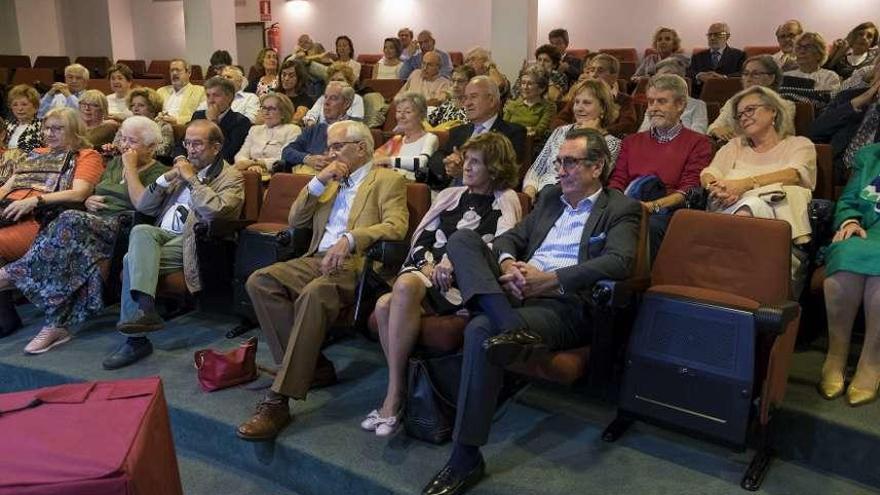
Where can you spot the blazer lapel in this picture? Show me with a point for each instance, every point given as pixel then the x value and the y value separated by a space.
pixel 595 213
pixel 322 214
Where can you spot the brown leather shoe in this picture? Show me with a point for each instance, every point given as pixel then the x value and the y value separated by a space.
pixel 325 373
pixel 266 423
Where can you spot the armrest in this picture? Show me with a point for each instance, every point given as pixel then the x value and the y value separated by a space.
pixel 821 214
pixel 615 294
pixel 773 319
pixel 219 228
pixel 391 254
pixel 293 242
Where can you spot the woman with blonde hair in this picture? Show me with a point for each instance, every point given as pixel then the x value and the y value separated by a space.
pixel 486 204
pixel 267 69
pixel 263 144
pixel 667 44
pixel 811 52
pixel 100 129
pixel 409 150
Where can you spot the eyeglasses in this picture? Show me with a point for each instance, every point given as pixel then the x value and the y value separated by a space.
pixel 568 163
pixel 269 109
pixel 195 145
pixel 123 140
pixel 339 145
pixel 719 34
pixel 92 106
pixel 53 129
pixel 748 111
pixel 755 73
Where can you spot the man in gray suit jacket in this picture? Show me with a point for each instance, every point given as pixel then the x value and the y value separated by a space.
pixel 530 289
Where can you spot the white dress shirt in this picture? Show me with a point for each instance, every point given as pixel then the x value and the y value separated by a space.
pixel 247 104
pixel 173 219
pixel 337 223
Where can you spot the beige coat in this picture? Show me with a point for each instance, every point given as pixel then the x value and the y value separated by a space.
pixel 220 196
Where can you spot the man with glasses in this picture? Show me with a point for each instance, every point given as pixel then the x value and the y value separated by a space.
pixel 349 205
pixel 667 151
pixel 719 61
pixel 306 155
pixel 409 46
pixel 786 33
pixel 426 44
pixel 530 289
pixel 428 81
pixel 219 93
pixel 200 186
pixel 180 98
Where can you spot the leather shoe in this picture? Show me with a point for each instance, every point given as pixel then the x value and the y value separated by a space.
pixel 142 322
pixel 130 352
pixel 267 422
pixel 325 373
pixel 448 482
pixel 510 347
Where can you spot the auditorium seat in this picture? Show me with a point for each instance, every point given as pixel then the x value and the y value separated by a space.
pixel 197 74
pixel 720 89
pixel 34 77
pixel 149 83
pixel 158 69
pixel 368 58
pixel 15 61
pixel 578 53
pixel 713 109
pixel 102 85
pixel 712 343
pixel 627 70
pixel 387 87
pixel 751 51
pixel 622 54
pixel 138 67
pixel 456 58
pixel 97 66
pixel 803 118
pixel 366 72
pixel 4 75
pixel 57 64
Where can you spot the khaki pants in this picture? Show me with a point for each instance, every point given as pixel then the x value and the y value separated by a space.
pixel 295 304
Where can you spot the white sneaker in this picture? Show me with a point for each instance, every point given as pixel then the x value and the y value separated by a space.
pixel 387 426
pixel 48 338
pixel 371 421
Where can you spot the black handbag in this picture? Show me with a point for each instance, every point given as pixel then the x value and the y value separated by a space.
pixel 432 390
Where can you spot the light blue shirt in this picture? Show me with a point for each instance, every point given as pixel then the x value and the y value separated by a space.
pixel 415 62
pixel 560 248
pixel 48 102
pixel 337 223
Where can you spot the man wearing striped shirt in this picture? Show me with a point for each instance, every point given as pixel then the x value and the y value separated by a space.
pixel 531 288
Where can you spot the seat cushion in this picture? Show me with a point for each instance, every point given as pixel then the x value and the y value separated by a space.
pixel 564 367
pixel 267 227
pixel 443 333
pixel 172 286
pixel 706 295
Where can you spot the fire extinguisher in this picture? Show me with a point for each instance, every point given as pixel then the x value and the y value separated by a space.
pixel 273 37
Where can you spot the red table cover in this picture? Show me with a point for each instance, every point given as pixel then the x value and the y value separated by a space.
pixel 94 438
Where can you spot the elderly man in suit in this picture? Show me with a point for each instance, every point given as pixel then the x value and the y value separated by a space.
pixel 349 205
pixel 719 61
pixel 482 102
pixel 181 98
pixel 219 93
pixel 530 289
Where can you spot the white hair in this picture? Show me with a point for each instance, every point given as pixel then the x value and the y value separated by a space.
pixel 355 131
pixel 145 128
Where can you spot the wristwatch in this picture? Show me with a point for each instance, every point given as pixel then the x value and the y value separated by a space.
pixel 655 207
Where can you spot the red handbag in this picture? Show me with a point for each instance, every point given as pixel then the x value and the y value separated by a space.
pixel 218 370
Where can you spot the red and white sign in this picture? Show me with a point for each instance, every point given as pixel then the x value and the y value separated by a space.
pixel 265 11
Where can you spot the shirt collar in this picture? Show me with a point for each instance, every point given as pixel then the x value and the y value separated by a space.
pixel 584 204
pixel 666 135
pixel 358 175
pixel 488 123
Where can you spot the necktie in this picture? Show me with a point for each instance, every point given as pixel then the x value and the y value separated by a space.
pixel 716 58
pixel 479 129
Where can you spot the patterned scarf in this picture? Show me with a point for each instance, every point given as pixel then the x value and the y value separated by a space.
pixel 865 135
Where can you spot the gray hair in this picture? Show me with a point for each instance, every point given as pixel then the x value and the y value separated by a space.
pixel 186 65
pixel 345 88
pixel 818 43
pixel 769 64
pixel 355 131
pixel 671 65
pixel 478 51
pixel 417 100
pixel 670 82
pixel 490 84
pixel 145 128
pixel 221 82
pixel 77 68
pixel 769 98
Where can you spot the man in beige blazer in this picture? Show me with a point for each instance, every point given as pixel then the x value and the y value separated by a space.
pixel 181 98
pixel 349 205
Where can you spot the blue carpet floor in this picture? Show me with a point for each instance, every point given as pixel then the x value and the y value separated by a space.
pixel 547 442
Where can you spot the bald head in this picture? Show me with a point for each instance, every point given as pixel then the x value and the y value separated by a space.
pixel 481 99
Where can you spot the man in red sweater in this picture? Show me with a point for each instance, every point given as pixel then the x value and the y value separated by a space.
pixel 667 150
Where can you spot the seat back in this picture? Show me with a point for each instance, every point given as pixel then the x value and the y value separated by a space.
pixel 102 85
pixel 148 83
pixel 751 51
pixel 366 72
pixel 627 70
pixel 57 64
pixel 138 67
pixel 749 257
pixel 456 58
pixel 197 74
pixel 33 77
pixel 4 75
pixel 720 89
pixel 824 173
pixel 15 61
pixel 713 110
pixel 97 66
pixel 622 54
pixel 803 118
pixel 280 195
pixel 253 195
pixel 578 53
pixel 418 201
pixel 368 58
pixel 386 87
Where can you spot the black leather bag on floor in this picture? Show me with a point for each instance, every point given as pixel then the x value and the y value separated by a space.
pixel 429 412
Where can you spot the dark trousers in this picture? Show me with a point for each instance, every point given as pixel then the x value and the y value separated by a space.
pixel 559 320
pixel 657 225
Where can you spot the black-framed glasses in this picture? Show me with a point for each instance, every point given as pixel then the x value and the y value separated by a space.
pixel 339 145
pixel 568 163
pixel 748 111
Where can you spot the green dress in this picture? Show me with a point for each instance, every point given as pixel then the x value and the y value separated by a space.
pixel 856 254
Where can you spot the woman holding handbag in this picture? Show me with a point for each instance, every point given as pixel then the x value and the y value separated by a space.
pixel 486 204
pixel 61 273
